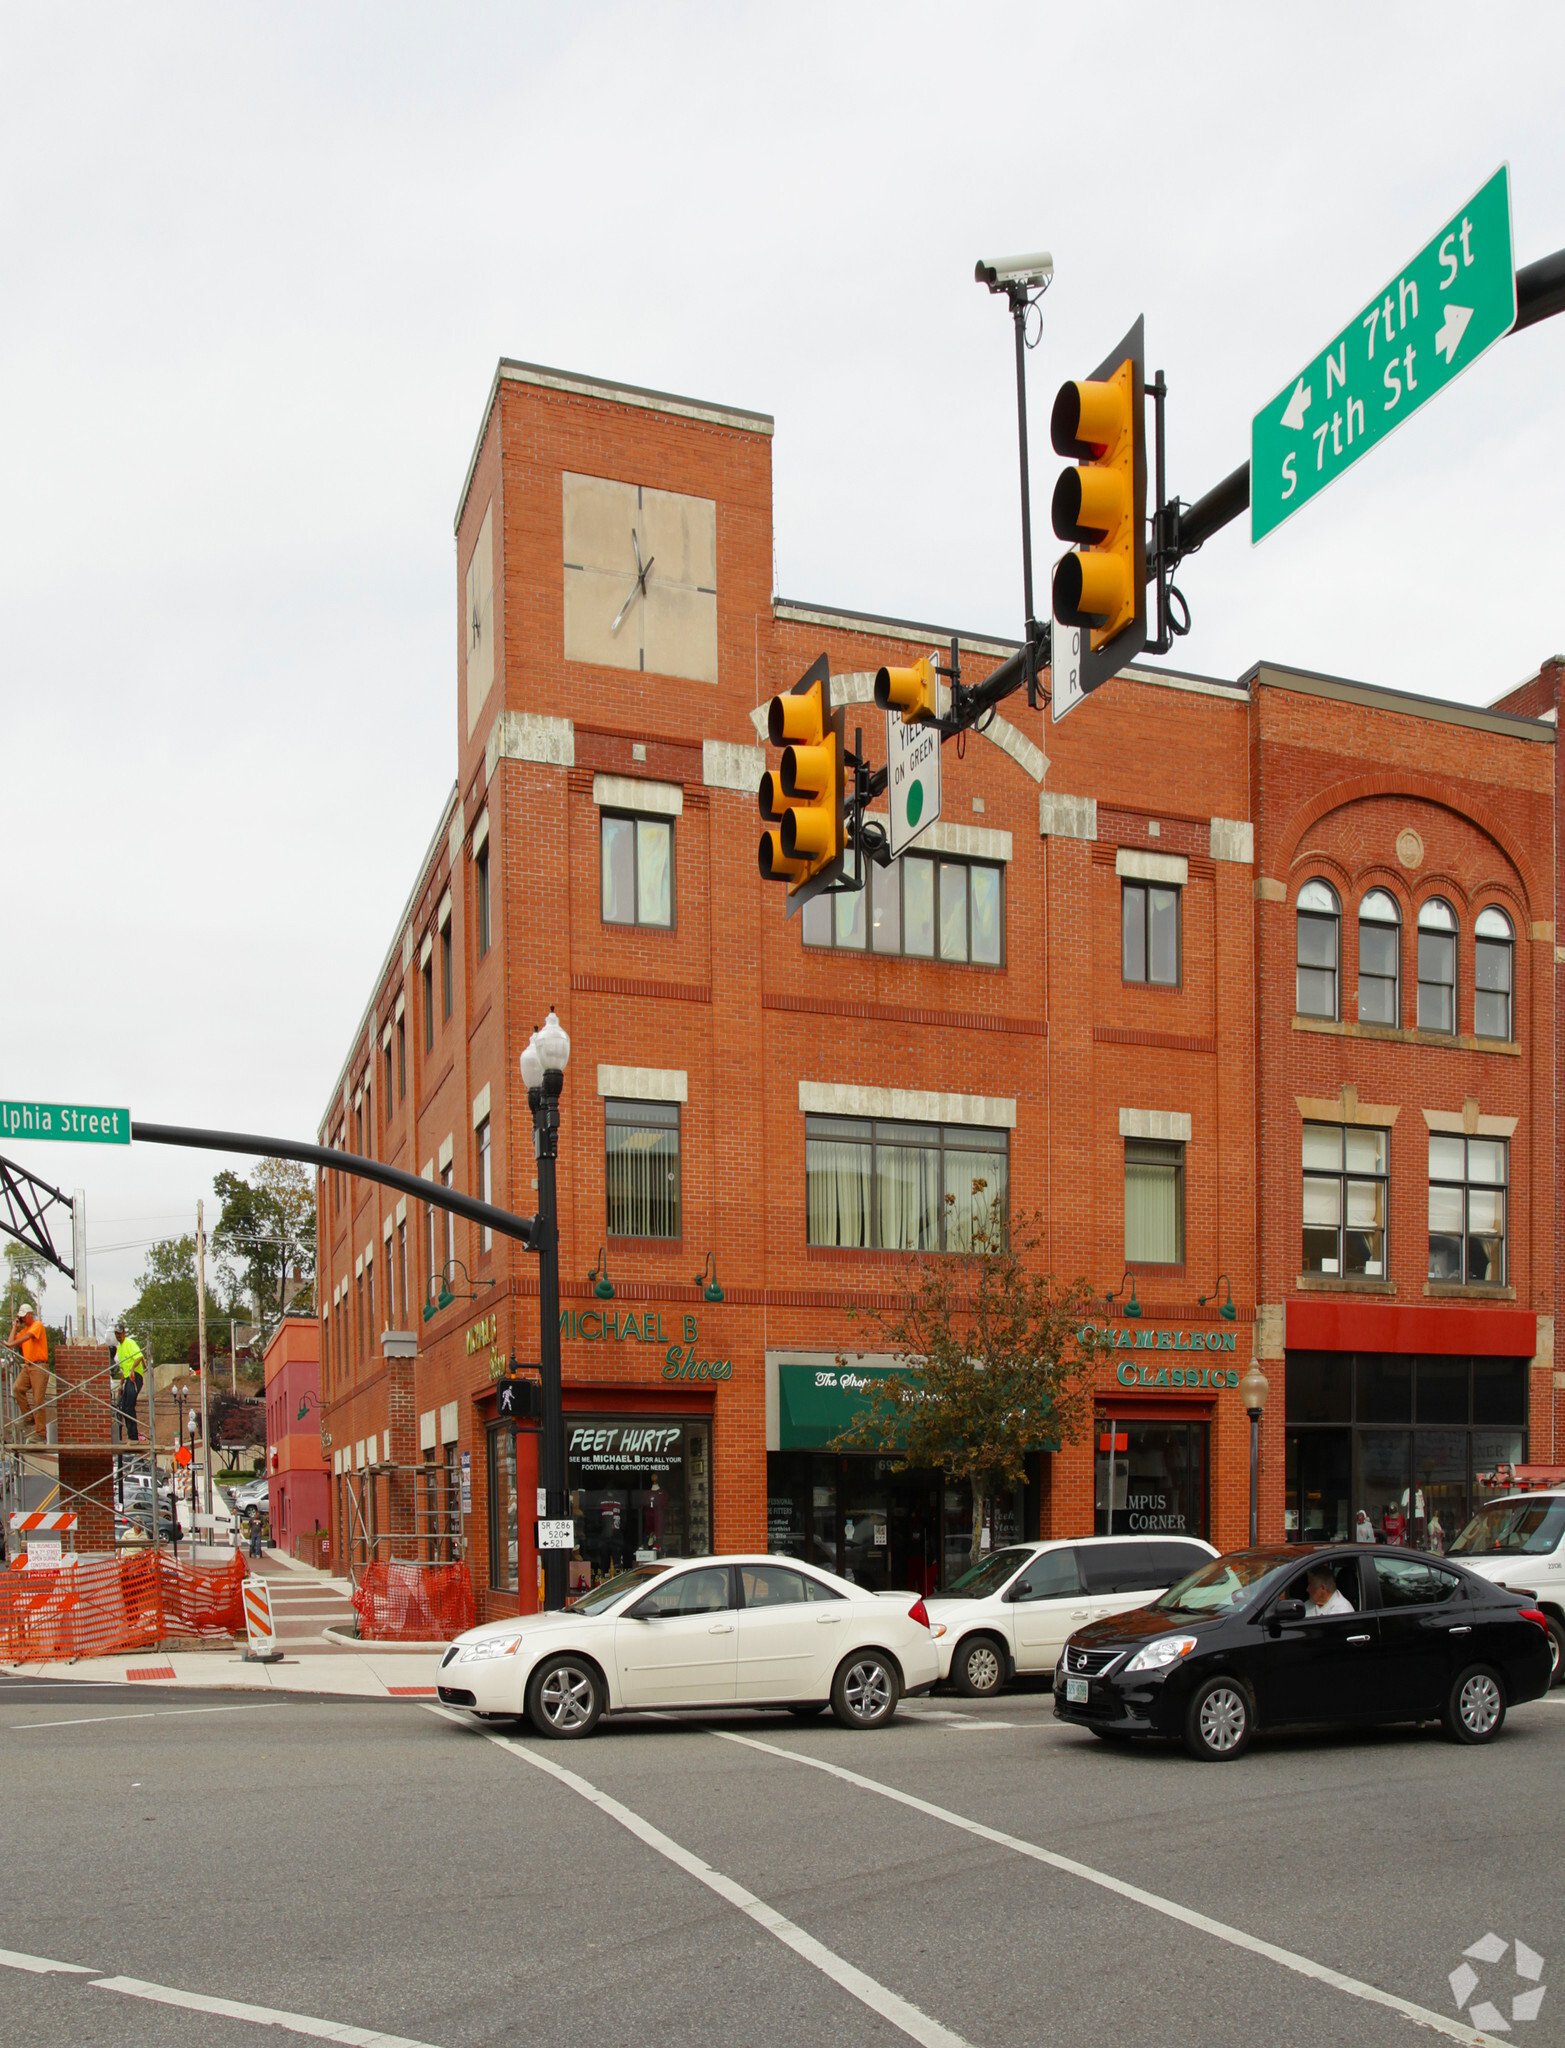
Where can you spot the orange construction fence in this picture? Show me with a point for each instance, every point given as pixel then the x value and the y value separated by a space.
pixel 408 1603
pixel 102 1604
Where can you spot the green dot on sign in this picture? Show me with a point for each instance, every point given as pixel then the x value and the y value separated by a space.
pixel 915 803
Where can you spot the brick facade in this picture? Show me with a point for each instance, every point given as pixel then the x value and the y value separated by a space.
pixel 1247 785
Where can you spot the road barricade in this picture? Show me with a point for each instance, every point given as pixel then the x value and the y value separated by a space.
pixel 98 1605
pixel 413 1603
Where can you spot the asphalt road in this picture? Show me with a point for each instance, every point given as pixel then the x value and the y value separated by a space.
pixel 357 1870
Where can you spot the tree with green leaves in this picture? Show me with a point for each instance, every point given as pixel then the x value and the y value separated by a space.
pixel 267 1233
pixel 997 1360
pixel 25 1273
pixel 162 1318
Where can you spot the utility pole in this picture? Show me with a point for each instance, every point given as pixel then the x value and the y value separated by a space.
pixel 233 1360
pixel 84 1334
pixel 206 1441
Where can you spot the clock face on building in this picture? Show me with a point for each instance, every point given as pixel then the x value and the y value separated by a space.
pixel 640 578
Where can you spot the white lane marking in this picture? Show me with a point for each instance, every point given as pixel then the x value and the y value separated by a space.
pixel 1305 1966
pixel 258 2015
pixel 907 2018
pixel 40 1966
pixel 148 1714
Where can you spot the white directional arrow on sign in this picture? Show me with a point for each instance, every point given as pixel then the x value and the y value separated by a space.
pixel 1454 326
pixel 1298 405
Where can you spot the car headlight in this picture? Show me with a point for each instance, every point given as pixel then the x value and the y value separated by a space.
pixel 496 1646
pixel 1159 1655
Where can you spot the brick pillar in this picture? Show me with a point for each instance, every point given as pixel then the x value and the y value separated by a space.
pixel 400 1349
pixel 81 1374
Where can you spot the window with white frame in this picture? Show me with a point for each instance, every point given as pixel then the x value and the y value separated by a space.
pixel 904 1186
pixel 1149 932
pixel 1380 959
pixel 1154 1202
pixel 1319 949
pixel 920 906
pixel 1436 966
pixel 486 1235
pixel 1345 1178
pixel 1494 962
pixel 1467 1191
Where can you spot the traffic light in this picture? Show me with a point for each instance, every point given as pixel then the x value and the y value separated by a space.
pixel 915 691
pixel 1101 505
pixel 802 799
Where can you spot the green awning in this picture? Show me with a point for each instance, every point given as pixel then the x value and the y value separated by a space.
pixel 816 1403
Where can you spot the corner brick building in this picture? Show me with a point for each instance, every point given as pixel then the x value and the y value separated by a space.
pixel 1081 988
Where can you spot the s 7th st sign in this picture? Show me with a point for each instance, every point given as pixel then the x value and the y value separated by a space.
pixel 1453 300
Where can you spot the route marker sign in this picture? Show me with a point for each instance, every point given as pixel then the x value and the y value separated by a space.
pixel 1455 299
pixel 77 1123
pixel 912 777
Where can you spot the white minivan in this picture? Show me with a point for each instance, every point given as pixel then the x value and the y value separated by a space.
pixel 1012 1612
pixel 1518 1542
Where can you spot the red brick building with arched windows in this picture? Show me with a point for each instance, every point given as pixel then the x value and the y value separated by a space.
pixel 1129 980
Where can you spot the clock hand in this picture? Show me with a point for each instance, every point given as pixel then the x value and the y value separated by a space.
pixel 643 570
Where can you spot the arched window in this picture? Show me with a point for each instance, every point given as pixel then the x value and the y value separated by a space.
pixel 1380 959
pixel 1493 977
pixel 1436 966
pixel 1320 918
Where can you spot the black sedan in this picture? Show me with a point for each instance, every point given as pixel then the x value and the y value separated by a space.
pixel 1322 1634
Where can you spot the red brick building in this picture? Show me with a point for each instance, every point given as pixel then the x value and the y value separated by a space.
pixel 298 1474
pixel 1080 987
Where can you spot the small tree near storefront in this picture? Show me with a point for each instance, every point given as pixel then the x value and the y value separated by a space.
pixel 998 1360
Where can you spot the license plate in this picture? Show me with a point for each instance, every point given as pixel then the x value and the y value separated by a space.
pixel 1076 1691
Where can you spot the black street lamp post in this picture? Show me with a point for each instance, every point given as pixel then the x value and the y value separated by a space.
pixel 543 1066
pixel 1253 1390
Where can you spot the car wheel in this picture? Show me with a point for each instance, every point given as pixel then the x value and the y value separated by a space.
pixel 564 1698
pixel 979 1668
pixel 865 1691
pixel 1556 1649
pixel 1220 1721
pixel 1475 1706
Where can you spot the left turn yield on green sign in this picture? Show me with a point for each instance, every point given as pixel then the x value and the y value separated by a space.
pixel 77 1123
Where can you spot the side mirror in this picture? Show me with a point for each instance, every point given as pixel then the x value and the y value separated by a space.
pixel 1020 1591
pixel 1288 1610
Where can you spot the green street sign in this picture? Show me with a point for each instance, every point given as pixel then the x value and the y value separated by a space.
pixel 1436 316
pixel 78 1123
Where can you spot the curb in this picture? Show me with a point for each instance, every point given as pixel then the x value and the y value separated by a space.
pixel 366 1647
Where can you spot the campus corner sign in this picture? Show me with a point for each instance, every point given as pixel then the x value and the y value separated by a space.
pixel 1165 1375
pixel 73 1123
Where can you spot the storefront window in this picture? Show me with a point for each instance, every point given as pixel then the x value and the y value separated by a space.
pixel 1149 1478
pixel 1415 1483
pixel 504 1544
pixel 883 1529
pixel 640 1490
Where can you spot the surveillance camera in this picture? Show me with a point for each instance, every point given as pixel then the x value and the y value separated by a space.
pixel 999 271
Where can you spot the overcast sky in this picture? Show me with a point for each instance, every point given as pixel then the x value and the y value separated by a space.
pixel 259 263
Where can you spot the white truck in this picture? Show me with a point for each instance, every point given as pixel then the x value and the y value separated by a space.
pixel 1518 1541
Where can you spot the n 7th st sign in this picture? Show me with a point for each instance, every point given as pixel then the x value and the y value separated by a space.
pixel 1455 299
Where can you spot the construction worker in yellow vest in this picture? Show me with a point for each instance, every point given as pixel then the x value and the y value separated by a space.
pixel 32 1379
pixel 131 1366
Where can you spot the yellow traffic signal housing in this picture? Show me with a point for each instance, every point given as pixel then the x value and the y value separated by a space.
pixel 1101 506
pixel 915 691
pixel 802 800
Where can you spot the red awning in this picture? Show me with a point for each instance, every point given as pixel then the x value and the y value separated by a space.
pixel 1443 1327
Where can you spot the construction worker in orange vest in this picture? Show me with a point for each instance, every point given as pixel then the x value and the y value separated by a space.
pixel 32 1380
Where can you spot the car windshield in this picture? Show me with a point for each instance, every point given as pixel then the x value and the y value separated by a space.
pixel 1225 1582
pixel 1511 1528
pixel 986 1578
pixel 604 1596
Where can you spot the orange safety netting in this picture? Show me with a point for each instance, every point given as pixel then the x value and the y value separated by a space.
pixel 102 1604
pixel 408 1603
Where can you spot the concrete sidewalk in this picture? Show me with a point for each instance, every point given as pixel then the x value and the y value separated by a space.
pixel 375 1672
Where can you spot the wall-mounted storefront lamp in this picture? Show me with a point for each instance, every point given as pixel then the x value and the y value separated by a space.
pixel 1227 1311
pixel 710 1289
pixel 445 1297
pixel 598 1277
pixel 1132 1307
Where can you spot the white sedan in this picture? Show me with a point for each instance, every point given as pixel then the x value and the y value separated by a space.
pixel 1012 1612
pixel 706 1632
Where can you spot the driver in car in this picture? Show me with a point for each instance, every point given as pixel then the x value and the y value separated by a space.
pixel 1325 1596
